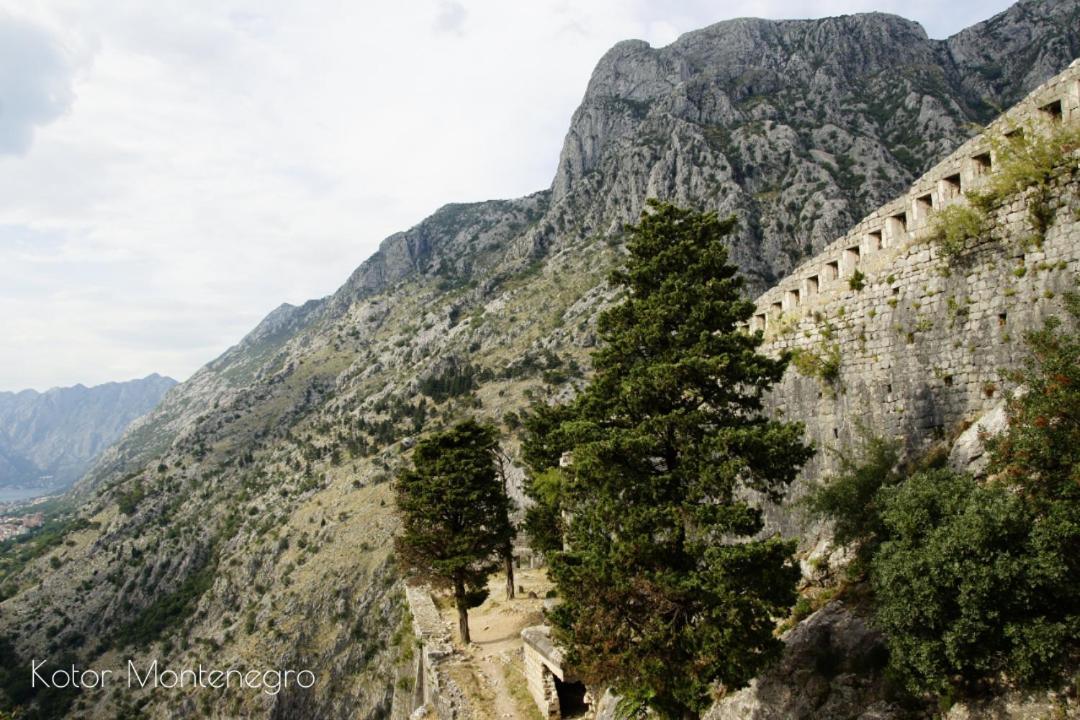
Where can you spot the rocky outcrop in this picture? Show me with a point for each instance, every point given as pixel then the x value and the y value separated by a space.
pixel 968 453
pixel 798 127
pixel 832 667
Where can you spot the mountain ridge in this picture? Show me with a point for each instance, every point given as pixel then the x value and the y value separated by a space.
pixel 250 513
pixel 48 439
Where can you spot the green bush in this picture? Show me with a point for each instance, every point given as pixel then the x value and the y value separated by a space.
pixel 954 226
pixel 968 585
pixel 824 365
pixel 857 281
pixel 979 583
pixel 850 498
pixel 1027 160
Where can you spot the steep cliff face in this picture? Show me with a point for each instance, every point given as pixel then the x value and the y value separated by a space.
pixel 48 440
pixel 249 516
pixel 798 127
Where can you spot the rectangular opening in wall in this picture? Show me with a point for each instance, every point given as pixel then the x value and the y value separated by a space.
pixel 758 323
pixel 888 389
pixel 1002 319
pixel 777 308
pixel 851 256
pixel 832 270
pixel 873 240
pixel 983 163
pixel 792 299
pixel 948 380
pixel 1015 135
pixel 901 218
pixel 951 186
pixel 924 204
pixel 811 286
pixel 1052 110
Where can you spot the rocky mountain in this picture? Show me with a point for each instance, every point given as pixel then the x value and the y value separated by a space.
pixel 246 521
pixel 49 440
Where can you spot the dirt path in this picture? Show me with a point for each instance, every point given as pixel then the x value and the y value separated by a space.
pixel 495 653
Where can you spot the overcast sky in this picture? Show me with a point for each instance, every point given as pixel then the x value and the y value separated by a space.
pixel 171 171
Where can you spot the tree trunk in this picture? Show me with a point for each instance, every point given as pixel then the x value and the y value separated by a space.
pixel 508 557
pixel 462 612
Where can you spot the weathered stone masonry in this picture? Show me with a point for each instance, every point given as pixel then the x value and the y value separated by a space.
pixel 546 671
pixel 922 344
pixel 434 686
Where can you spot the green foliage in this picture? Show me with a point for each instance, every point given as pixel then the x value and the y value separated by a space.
pixel 1026 160
pixel 978 583
pixel 452 382
pixel 454 513
pixel 857 281
pixel 969 585
pixel 850 498
pixel 544 519
pixel 1040 453
pixel 19 699
pixel 17 552
pixel 824 365
pixel 954 225
pixel 168 611
pixel 665 592
pixel 129 500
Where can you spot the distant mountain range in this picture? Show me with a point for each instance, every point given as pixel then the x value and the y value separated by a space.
pixel 48 440
pixel 249 515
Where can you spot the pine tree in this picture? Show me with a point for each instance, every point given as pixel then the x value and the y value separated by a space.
pixel 454 514
pixel 665 593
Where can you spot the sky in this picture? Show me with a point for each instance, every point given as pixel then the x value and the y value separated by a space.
pixel 172 171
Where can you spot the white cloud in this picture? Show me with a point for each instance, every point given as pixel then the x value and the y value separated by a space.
pixel 35 81
pixel 193 163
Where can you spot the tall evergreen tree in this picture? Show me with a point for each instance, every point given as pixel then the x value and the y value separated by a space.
pixel 454 514
pixel 665 592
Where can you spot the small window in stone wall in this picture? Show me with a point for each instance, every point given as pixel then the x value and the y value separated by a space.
pixel 924 204
pixel 1002 319
pixel 1052 110
pixel 832 270
pixel 851 256
pixel 777 308
pixel 983 163
pixel 950 187
pixel 902 219
pixel 793 298
pixel 811 286
pixel 873 240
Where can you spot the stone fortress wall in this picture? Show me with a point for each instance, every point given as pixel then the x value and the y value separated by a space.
pixel 921 345
pixel 436 693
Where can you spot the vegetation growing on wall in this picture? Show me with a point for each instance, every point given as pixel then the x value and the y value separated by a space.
pixel 1025 160
pixel 824 365
pixel 977 583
